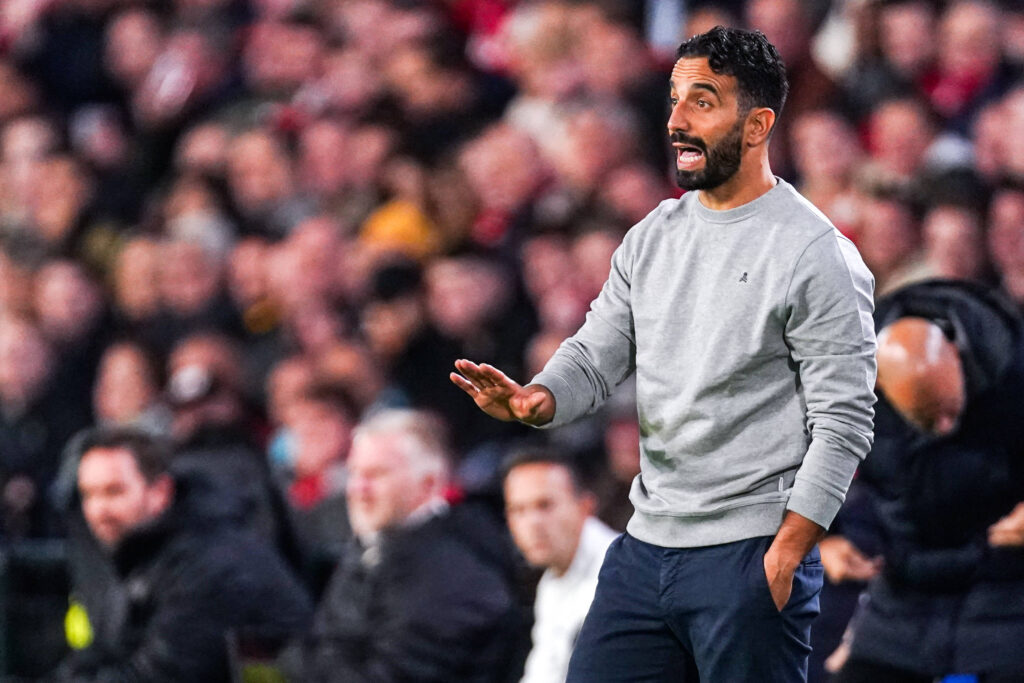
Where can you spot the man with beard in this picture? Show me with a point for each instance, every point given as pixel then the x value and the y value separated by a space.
pixel 176 576
pixel 747 318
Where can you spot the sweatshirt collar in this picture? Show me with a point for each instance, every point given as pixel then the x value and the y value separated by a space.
pixel 741 212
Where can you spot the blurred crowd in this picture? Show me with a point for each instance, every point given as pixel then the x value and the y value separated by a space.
pixel 258 222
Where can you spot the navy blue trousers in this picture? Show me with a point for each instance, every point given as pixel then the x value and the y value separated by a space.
pixel 706 614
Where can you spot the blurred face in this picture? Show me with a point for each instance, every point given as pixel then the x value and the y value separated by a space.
pixel 783 23
pixel 705 127
pixel 247 271
pixel 1006 231
pixel 132 43
pixel 188 277
pixel 463 296
pixel 622 442
pixel 125 386
pixel 136 281
pixel 953 243
pixel 593 144
pixel 67 302
pixel 921 374
pixel 321 146
pixel 1013 145
pixel 389 326
pixel 633 191
pixel 203 149
pixel 287 383
pixel 116 498
pixel 900 135
pixel 61 193
pixel 25 361
pixel 259 172
pixel 968 43
pixel 382 488
pixel 592 258
pixel 281 56
pixel 888 238
pixel 825 148
pixel 322 435
pixel 503 153
pixel 213 354
pixel 545 514
pixel 907 36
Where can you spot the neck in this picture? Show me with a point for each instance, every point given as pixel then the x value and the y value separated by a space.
pixel 561 566
pixel 752 180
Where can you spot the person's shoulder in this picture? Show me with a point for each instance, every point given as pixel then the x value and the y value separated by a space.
pixel 661 219
pixel 803 219
pixel 600 532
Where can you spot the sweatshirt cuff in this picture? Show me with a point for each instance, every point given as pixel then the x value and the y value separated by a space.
pixel 813 502
pixel 562 391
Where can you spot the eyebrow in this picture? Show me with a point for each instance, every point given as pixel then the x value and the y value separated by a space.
pixel 706 86
pixel 698 86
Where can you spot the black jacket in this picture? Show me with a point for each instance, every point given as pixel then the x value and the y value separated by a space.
pixel 188 581
pixel 937 496
pixel 430 604
pixel 947 601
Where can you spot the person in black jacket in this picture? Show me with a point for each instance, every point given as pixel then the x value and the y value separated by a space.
pixel 190 577
pixel 423 593
pixel 947 474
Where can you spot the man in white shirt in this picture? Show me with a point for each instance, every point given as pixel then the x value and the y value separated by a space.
pixel 551 519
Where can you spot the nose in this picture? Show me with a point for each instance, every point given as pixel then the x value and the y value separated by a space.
pixel 677 118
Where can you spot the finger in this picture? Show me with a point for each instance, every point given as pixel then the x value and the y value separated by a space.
pixel 464 384
pixel 1005 537
pixel 1004 524
pixel 496 377
pixel 470 371
pixel 861 572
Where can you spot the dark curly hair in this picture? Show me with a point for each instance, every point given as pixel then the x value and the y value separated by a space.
pixel 747 56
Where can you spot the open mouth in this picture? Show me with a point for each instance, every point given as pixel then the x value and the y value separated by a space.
pixel 688 157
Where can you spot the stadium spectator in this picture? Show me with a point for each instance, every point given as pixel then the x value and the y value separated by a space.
pixel 949 487
pixel 423 592
pixel 190 576
pixel 551 518
pixel 128 390
pixel 36 419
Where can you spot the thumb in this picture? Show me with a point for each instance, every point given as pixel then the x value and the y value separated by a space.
pixel 525 404
pixel 533 401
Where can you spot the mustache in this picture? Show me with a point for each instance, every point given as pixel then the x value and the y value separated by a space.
pixel 678 137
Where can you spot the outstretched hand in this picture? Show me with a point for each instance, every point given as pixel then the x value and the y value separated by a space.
pixel 500 397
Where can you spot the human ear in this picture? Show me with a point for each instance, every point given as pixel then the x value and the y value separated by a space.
pixel 760 122
pixel 161 494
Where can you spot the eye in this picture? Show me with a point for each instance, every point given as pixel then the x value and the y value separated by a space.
pixel 703 104
pixel 673 101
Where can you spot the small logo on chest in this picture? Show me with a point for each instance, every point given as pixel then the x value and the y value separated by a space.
pixel 743 278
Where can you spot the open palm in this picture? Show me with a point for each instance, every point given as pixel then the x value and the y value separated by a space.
pixel 502 398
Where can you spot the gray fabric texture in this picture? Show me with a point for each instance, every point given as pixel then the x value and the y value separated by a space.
pixel 751 336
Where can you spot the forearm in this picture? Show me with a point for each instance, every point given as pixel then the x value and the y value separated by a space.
pixel 824 478
pixel 795 538
pixel 585 369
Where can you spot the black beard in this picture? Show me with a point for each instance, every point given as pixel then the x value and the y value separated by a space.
pixel 721 161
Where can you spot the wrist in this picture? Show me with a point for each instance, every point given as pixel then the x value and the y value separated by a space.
pixel 783 559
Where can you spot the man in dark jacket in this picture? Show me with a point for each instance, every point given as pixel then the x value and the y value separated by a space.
pixel 190 576
pixel 419 596
pixel 947 471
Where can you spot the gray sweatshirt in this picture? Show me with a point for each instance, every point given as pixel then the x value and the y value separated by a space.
pixel 751 335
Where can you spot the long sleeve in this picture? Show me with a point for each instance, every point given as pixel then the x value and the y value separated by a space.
pixel 588 366
pixel 830 333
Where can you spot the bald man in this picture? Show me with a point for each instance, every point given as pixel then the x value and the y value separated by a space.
pixel 920 372
pixel 947 471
